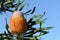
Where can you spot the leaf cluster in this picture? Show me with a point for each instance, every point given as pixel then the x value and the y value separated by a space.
pixel 6 5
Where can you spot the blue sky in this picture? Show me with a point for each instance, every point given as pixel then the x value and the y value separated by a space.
pixel 52 8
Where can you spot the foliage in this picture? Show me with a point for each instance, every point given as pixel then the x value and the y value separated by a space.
pixel 6 5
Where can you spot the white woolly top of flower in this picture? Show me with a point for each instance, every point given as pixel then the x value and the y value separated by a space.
pixel 17 14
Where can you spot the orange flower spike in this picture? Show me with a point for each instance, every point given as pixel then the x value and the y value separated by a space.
pixel 18 24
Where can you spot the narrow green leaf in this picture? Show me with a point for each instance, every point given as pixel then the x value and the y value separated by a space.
pixel 8 2
pixel 9 10
pixel 7 26
pixel 36 29
pixel 33 10
pixel 30 20
pixel 44 12
pixel 27 11
pixel 22 6
pixel 13 0
pixel 39 16
pixel 43 33
pixel 16 8
pixel 40 24
pixel 44 19
pixel 47 28
pixel 36 16
pixel 38 20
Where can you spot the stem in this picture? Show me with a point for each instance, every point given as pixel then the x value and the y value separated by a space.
pixel 40 29
pixel 19 38
pixel 40 36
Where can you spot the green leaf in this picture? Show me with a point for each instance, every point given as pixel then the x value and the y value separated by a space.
pixel 28 11
pixel 40 24
pixel 36 16
pixel 46 32
pixel 39 20
pixel 9 10
pixel 22 6
pixel 33 10
pixel 13 0
pixel 33 38
pixel 44 19
pixel 7 26
pixel 47 28
pixel 44 12
pixel 30 20
pixel 8 2
pixel 16 8
pixel 36 29
pixel 39 16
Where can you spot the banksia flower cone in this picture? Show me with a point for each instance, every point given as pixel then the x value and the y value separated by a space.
pixel 18 24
